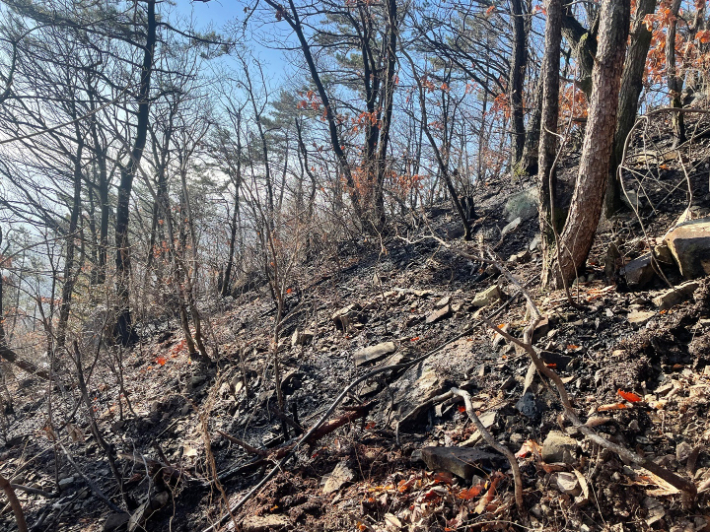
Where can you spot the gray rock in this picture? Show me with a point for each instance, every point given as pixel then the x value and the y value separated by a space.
pixel 66 482
pixel 511 227
pixel 682 451
pixel 640 317
pixel 558 447
pixel 689 243
pixel 568 483
pixel 461 461
pixel 340 476
pixel 663 253
pixel 344 317
pixel 301 338
pixel 522 205
pixel 535 242
pixel 520 258
pixel 488 419
pixel 541 329
pixel 487 297
pixel 639 272
pixel 439 314
pixel 676 295
pixel 373 353
pixel 529 406
pixel 115 521
pixel 444 301
pixel 264 523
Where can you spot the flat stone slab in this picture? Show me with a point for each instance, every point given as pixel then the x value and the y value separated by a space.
pixel 374 352
pixel 461 461
pixel 640 317
pixel 439 315
pixel 676 295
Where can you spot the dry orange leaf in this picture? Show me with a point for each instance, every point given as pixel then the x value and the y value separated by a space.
pixel 443 477
pixel 629 396
pixel 161 360
pixel 472 492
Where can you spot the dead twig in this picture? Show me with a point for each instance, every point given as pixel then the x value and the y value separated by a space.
pixel 14 504
pixel 283 417
pixel 517 478
pixel 248 448
pixel 92 485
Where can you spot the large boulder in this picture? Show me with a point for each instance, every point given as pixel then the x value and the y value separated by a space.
pixel 689 243
pixel 522 205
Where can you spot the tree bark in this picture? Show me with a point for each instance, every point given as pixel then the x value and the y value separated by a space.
pixel 388 105
pixel 585 209
pixel 124 331
pixel 68 288
pixel 584 46
pixel 675 82
pixel 517 80
pixel 631 87
pixel 529 162
pixel 550 80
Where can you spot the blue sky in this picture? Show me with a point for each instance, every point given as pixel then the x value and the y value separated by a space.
pixel 218 14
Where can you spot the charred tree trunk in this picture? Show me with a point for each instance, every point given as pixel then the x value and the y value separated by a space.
pixel 68 288
pixel 529 163
pixel 388 105
pixel 675 82
pixel 124 331
pixel 550 80
pixel 631 87
pixel 517 80
pixel 585 209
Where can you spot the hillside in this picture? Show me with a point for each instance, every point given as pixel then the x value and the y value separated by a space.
pixel 194 439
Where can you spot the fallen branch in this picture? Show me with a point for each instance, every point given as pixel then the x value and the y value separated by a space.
pixel 14 504
pixel 244 445
pixel 517 478
pixel 35 491
pixel 9 355
pixel 92 485
pixel 174 472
